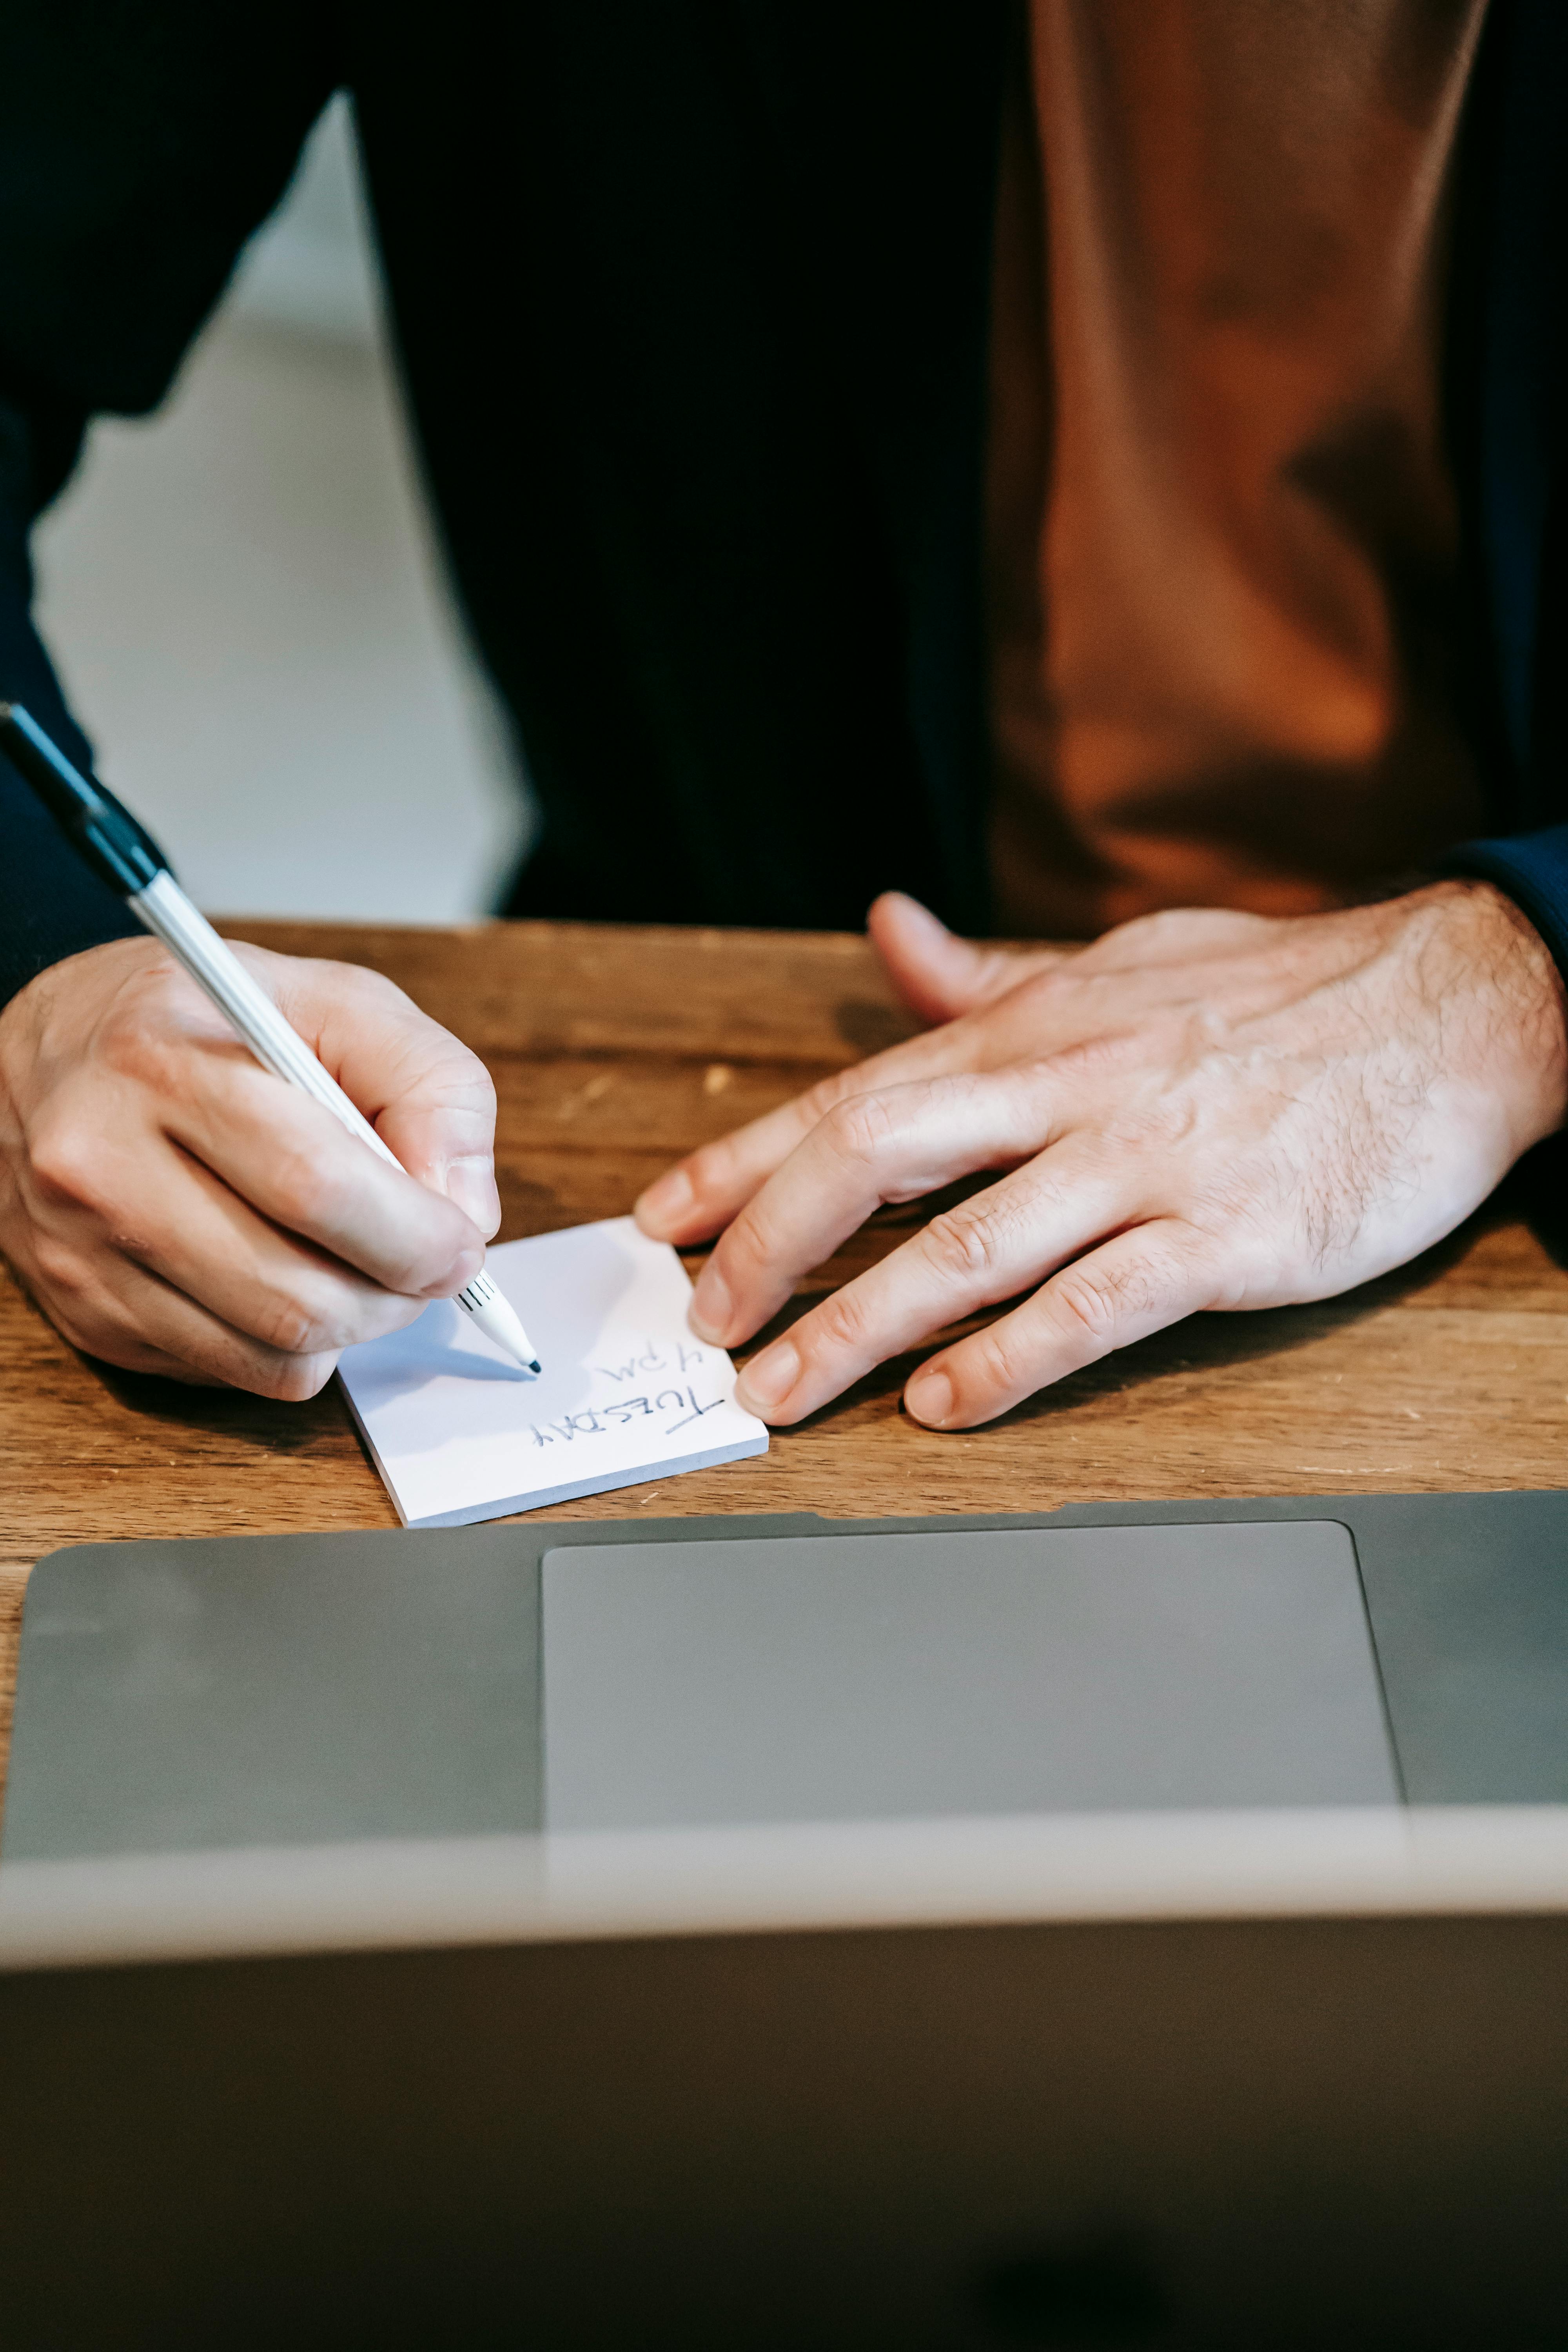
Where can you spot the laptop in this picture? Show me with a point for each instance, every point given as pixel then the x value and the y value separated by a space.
pixel 1130 1925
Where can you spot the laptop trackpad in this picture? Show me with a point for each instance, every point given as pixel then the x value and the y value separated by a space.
pixel 863 1677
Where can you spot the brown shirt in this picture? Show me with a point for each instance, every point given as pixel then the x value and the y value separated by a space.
pixel 1221 535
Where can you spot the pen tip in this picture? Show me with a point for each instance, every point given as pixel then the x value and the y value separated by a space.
pixel 534 1365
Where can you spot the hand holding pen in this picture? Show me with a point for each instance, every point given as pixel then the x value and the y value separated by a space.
pixel 173 1210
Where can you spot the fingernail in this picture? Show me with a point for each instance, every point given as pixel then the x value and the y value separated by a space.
pixel 471 1187
pixel 929 1398
pixel 768 1379
pixel 711 1306
pixel 665 1201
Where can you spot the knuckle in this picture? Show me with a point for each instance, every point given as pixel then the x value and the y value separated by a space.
pixel 72 1292
pixel 478 1089
pixel 996 1363
pixel 1113 1301
pixel 963 1242
pixel 144 1031
pixel 859 1126
pixel 1094 1304
pixel 58 1267
pixel 460 1073
pixel 66 1164
pixel 291 1326
pixel 452 1081
pixel 840 1324
pixel 134 1045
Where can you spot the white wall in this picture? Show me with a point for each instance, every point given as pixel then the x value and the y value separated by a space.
pixel 243 599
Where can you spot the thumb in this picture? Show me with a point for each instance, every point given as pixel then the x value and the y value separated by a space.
pixel 938 974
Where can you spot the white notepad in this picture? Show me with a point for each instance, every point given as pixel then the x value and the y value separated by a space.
pixel 627 1393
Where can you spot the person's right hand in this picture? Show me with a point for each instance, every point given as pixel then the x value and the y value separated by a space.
pixel 174 1207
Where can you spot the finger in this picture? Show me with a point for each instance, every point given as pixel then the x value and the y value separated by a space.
pixel 428 1095
pixel 969 1257
pixel 699 1196
pixel 112 1309
pixel 1140 1282
pixel 286 1155
pixel 938 974
pixel 179 1068
pixel 180 1223
pixel 695 1199
pixel 894 1145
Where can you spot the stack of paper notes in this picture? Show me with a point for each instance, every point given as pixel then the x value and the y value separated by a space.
pixel 627 1392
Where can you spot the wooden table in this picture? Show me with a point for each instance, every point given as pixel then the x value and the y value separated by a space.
pixel 615 1050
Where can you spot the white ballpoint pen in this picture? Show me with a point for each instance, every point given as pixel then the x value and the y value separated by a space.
pixel 107 837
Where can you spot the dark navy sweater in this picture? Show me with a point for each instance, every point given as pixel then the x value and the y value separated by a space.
pixel 691 304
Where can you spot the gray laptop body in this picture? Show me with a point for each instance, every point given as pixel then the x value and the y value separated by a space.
pixel 1174 2131
pixel 298 1689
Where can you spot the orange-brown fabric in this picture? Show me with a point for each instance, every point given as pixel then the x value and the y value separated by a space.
pixel 1221 546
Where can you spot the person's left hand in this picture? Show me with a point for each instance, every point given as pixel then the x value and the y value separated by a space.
pixel 1202 1109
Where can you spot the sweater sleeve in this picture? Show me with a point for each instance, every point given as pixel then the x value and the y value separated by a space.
pixel 141 143
pixel 51 905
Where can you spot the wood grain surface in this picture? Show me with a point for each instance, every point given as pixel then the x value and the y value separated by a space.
pixel 614 1051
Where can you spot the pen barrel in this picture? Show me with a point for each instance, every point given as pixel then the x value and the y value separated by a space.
pixel 192 941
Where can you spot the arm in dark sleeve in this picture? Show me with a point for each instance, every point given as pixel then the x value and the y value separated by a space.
pixel 50 904
pixel 141 143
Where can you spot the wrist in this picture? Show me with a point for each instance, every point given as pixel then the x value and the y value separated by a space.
pixel 1518 1040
